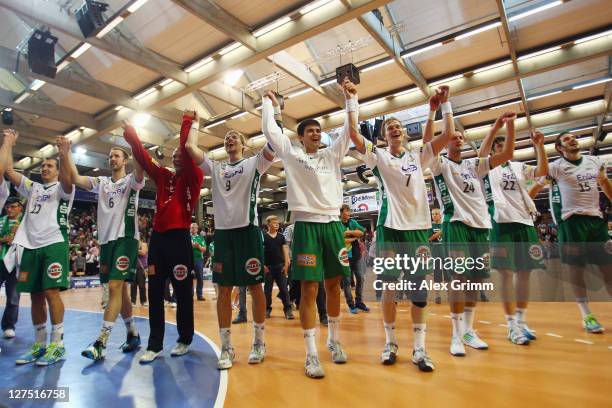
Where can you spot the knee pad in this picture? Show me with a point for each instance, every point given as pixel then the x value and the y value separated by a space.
pixel 419 304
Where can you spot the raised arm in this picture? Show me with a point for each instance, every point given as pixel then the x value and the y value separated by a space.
pixel 440 142
pixel 68 166
pixel 191 145
pixel 141 156
pixel 434 105
pixel 605 183
pixel 487 142
pixel 356 136
pixel 342 143
pixel 138 172
pixel 538 143
pixel 535 189
pixel 65 172
pixel 190 121
pixel 6 156
pixel 508 151
pixel 274 135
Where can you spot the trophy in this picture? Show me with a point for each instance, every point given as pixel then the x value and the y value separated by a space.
pixel 349 71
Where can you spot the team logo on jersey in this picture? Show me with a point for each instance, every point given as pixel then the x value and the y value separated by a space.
pixel 252 266
pixel 343 257
pixel 608 246
pixel 422 252
pixel 180 272
pixel 122 263
pixel 409 168
pixel 307 260
pixel 23 276
pixel 535 252
pixel 54 270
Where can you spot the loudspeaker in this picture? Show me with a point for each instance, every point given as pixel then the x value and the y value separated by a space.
pixel 91 16
pixel 7 117
pixel 41 53
pixel 349 71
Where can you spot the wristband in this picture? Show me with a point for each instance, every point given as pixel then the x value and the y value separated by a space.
pixel 195 126
pixel 352 105
pixel 446 108
pixel 432 115
pixel 277 110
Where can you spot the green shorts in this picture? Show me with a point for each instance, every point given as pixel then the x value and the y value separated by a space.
pixel 515 246
pixel 583 239
pixel 414 244
pixel 469 243
pixel 238 257
pixel 319 251
pixel 44 268
pixel 118 260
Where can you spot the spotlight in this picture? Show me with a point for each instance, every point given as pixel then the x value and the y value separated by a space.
pixel 91 17
pixel 41 53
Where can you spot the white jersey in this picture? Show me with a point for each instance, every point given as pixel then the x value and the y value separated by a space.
pixel 4 192
pixel 235 187
pixel 314 181
pixel 574 187
pixel 46 218
pixel 117 205
pixel 510 199
pixel 403 194
pixel 460 191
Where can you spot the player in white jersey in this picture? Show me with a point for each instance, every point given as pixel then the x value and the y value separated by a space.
pixel 403 220
pixel 515 247
pixel 43 234
pixel 314 195
pixel 582 230
pixel 118 237
pixel 4 194
pixel 238 259
pixel 465 228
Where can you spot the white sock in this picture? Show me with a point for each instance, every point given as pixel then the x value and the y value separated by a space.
pixel 521 315
pixel 57 333
pixel 583 305
pixel 390 332
pixel 226 337
pixel 40 334
pixel 258 333
pixel 511 321
pixel 457 321
pixel 309 340
pixel 105 332
pixel 130 325
pixel 469 318
pixel 419 330
pixel 333 328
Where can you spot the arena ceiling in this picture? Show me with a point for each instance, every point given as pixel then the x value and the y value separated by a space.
pixel 549 61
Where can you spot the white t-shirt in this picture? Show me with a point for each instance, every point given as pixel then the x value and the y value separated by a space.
pixel 314 181
pixel 509 193
pixel 117 205
pixel 403 194
pixel 460 191
pixel 4 192
pixel 235 187
pixel 574 187
pixel 46 218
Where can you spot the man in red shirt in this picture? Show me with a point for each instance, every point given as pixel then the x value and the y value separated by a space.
pixel 170 253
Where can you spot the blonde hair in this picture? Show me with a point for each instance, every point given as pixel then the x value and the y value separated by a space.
pixel 406 141
pixel 125 152
pixel 270 219
pixel 240 135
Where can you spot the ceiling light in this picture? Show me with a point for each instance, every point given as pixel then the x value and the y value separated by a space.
pixel 141 118
pixel 535 54
pixel 166 81
pixel 599 81
pixel 531 98
pixel 275 24
pixel 79 51
pixel 144 93
pixel 229 48
pixel 215 124
pixel 109 27
pixel 535 10
pixel 136 5
pixel 492 66
pixel 593 37
pixel 313 6
pixel 478 30
pixel 378 65
pixel 427 48
pixel 37 84
pixel 81 150
pixel 198 64
pixel 22 97
pixel 232 77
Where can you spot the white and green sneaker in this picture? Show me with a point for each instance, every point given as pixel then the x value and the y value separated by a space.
pixel 54 353
pixel 36 351
pixel 389 354
pixel 95 351
pixel 257 354
pixel 226 360
pixel 517 336
pixel 338 354
pixel 591 324
pixel 312 367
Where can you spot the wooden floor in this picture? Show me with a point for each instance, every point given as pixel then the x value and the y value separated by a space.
pixel 564 367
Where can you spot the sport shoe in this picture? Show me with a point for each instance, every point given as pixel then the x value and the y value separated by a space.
pixel 313 368
pixel 527 332
pixel 53 354
pixel 362 306
pixel 456 347
pixel 36 351
pixel 96 351
pixel 389 354
pixel 422 360
pixel 338 354
pixel 289 314
pixel 517 336
pixel 470 338
pixel 149 356
pixel 179 349
pixel 353 310
pixel 9 333
pixel 257 354
pixel 227 358
pixel 591 324
pixel 239 319
pixel 131 344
